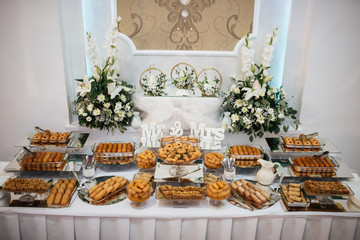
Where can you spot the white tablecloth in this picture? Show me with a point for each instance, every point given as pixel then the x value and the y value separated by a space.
pixel 159 220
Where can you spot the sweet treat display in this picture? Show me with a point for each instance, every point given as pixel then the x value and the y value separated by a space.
pixel 301 144
pixel 250 192
pixel 61 192
pixel 218 190
pixel 313 165
pixel 325 188
pixel 146 159
pixel 43 161
pixel 47 137
pixel 183 139
pixel 181 193
pixel 179 153
pixel 213 160
pixel 105 188
pixel 26 185
pixel 138 190
pixel 293 193
pixel 113 153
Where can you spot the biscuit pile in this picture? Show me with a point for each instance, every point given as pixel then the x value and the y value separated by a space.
pixel 245 156
pixel 183 139
pixel 186 193
pixel 320 187
pixel 138 190
pixel 48 137
pixel 295 144
pixel 44 161
pixel 146 159
pixel 293 193
pixel 213 160
pixel 61 192
pixel 105 188
pixel 178 153
pixel 313 165
pixel 26 185
pixel 218 190
pixel 250 192
pixel 113 153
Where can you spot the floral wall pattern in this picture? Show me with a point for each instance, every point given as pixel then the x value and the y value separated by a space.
pixel 211 25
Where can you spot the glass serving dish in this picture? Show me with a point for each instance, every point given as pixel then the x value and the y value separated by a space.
pixel 138 192
pixel 305 201
pixel 26 185
pixel 69 190
pixel 241 200
pixel 51 138
pixel 114 197
pixel 179 191
pixel 327 188
pixel 296 145
pixel 246 153
pixel 114 152
pixel 320 164
pixel 42 161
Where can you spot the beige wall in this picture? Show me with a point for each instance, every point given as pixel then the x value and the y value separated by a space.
pixel 186 25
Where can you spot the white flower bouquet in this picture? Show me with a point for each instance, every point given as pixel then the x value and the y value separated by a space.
pixel 209 82
pixel 103 101
pixel 153 81
pixel 183 76
pixel 255 106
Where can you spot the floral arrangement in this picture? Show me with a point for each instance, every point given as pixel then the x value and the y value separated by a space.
pixel 153 84
pixel 255 106
pixel 103 101
pixel 209 86
pixel 184 77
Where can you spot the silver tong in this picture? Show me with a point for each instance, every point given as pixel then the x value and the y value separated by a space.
pixel 236 198
pixel 305 137
pixel 31 154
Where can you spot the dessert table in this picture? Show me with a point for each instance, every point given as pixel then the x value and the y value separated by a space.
pixel 160 220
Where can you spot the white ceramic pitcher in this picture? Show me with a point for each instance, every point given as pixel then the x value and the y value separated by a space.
pixel 265 175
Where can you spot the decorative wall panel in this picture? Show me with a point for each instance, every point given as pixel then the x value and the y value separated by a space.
pixel 211 25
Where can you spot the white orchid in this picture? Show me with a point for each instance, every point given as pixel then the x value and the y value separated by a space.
pixel 256 90
pixel 84 87
pixel 113 89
